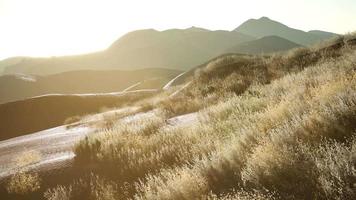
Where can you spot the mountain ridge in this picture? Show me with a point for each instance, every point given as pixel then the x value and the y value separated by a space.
pixel 173 49
pixel 264 26
pixel 179 49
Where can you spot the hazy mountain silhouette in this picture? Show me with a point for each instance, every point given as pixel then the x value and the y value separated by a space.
pixel 268 44
pixel 18 87
pixel 266 27
pixel 174 49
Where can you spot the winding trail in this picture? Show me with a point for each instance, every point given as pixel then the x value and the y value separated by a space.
pixel 132 86
pixel 169 84
pixel 54 146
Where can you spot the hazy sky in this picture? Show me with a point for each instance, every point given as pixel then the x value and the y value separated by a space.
pixel 63 27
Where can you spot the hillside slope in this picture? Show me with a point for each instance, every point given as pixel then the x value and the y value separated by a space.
pixel 270 128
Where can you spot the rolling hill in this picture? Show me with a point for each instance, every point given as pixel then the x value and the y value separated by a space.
pixel 268 44
pixel 18 87
pixel 47 111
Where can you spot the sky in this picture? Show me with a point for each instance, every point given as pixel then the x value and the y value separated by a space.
pixel 43 28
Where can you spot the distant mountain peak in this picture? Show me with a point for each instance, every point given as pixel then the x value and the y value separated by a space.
pixel 196 29
pixel 261 23
pixel 264 18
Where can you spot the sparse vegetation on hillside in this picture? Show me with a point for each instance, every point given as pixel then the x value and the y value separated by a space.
pixel 270 127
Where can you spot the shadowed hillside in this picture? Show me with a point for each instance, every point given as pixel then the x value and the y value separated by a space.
pixel 43 112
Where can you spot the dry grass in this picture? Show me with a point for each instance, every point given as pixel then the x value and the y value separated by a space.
pixel 280 127
pixel 23 183
pixel 314 104
pixel 27 158
pixel 59 193
pixel 90 187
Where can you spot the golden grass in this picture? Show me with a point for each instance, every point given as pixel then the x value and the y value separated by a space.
pixel 89 187
pixel 23 183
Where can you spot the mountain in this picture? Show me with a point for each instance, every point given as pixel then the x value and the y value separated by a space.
pixel 268 44
pixel 18 87
pixel 172 49
pixel 266 27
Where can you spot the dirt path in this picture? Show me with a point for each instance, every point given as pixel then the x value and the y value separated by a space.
pixel 52 146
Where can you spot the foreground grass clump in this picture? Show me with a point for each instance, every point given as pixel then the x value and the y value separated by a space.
pixel 89 187
pixel 279 127
pixel 23 183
